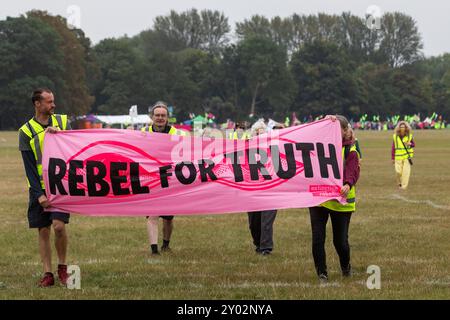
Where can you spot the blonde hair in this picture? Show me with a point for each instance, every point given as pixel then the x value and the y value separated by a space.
pixel 408 128
pixel 350 134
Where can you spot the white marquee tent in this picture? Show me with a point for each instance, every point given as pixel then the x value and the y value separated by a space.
pixel 125 120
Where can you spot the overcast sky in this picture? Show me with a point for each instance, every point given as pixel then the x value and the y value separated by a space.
pixel 102 19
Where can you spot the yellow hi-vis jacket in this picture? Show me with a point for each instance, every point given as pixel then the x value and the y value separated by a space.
pixel 172 131
pixel 351 197
pixel 234 135
pixel 400 152
pixel 36 133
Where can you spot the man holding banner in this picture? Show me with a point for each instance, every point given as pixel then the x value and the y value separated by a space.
pixel 31 140
pixel 159 114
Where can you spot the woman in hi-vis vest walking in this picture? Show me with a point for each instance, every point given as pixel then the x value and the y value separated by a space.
pixel 402 153
pixel 340 214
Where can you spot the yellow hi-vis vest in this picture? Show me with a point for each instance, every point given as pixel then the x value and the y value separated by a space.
pixel 234 135
pixel 351 197
pixel 400 151
pixel 36 133
pixel 172 131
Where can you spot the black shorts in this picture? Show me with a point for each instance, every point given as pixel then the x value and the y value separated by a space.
pixel 165 217
pixel 37 218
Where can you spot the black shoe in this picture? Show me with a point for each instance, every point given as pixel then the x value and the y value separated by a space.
pixel 258 250
pixel 154 249
pixel 266 252
pixel 323 277
pixel 347 272
pixel 165 248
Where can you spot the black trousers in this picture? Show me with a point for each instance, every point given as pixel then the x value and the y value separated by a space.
pixel 261 228
pixel 340 222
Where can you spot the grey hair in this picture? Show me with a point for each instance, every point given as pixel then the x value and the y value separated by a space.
pixel 158 104
pixel 260 125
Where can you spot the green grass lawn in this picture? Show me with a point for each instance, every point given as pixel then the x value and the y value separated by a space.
pixel 213 257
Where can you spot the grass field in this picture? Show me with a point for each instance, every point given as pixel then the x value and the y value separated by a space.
pixel 213 258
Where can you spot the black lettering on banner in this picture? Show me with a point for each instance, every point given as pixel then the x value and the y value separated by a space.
pixel 96 171
pixel 324 162
pixel 164 174
pixel 117 179
pixel 55 179
pixel 306 149
pixel 258 166
pixel 237 169
pixel 135 181
pixel 179 172
pixel 206 171
pixel 96 179
pixel 75 178
pixel 290 159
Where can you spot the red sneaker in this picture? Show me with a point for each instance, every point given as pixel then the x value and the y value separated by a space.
pixel 47 281
pixel 62 274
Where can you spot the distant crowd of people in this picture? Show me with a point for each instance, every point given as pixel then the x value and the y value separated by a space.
pixel 415 122
pixel 434 121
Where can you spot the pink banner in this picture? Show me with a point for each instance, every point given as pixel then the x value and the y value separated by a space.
pixel 133 173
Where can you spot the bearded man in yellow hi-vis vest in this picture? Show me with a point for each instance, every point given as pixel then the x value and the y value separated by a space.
pixel 31 142
pixel 402 153
pixel 159 114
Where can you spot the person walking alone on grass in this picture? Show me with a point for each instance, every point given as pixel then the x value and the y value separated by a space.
pixel 402 153
pixel 31 141
pixel 340 214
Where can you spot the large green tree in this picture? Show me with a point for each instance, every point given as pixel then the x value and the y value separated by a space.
pixel 30 57
pixel 263 69
pixel 400 40
pixel 122 74
pixel 326 82
pixel 75 94
pixel 205 30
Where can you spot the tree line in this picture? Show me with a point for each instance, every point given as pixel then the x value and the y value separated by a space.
pixel 307 64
